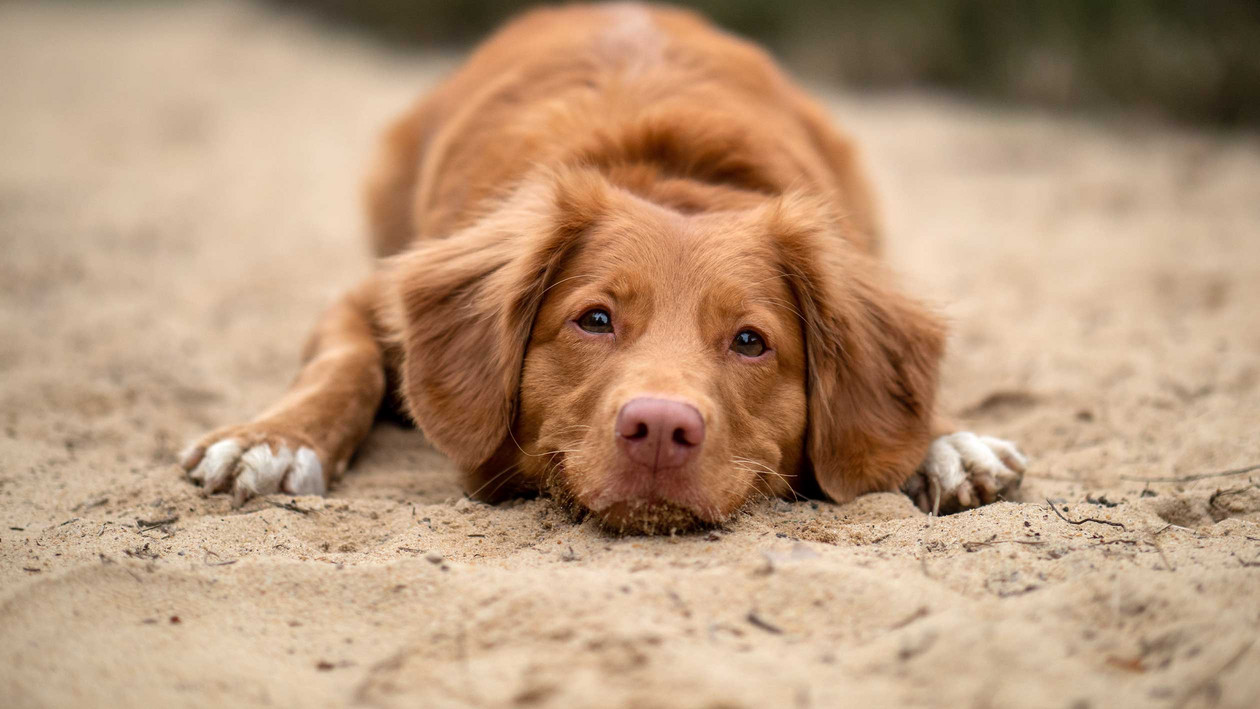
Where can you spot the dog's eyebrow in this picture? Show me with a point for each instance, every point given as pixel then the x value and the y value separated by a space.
pixel 779 303
pixel 569 278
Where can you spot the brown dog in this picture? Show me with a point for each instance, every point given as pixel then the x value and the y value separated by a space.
pixel 632 265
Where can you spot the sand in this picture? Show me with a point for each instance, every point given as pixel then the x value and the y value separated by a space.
pixel 178 202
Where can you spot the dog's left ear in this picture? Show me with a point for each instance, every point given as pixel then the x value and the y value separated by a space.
pixel 873 356
pixel 462 309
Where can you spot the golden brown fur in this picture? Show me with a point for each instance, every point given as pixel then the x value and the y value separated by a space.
pixel 634 158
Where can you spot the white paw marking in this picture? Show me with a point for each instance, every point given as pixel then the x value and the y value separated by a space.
pixel 307 477
pixel 217 464
pixel 260 470
pixel 187 456
pixel 963 470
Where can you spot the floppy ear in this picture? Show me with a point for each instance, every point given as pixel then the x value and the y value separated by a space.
pixel 463 308
pixel 873 356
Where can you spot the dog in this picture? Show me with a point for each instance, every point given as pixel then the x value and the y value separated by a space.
pixel 624 261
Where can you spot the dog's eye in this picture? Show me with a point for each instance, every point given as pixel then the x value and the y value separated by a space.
pixel 596 320
pixel 748 343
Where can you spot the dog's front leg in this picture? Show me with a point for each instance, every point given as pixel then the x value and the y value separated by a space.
pixel 299 445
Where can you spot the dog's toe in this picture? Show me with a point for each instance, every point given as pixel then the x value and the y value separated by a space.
pixel 262 469
pixel 214 470
pixel 306 477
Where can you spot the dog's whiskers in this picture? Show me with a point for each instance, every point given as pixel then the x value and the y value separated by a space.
pixel 759 468
pixel 497 476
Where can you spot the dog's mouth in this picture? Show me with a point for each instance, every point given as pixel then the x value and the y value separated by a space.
pixel 652 515
pixel 649 517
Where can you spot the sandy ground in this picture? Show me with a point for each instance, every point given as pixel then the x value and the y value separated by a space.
pixel 177 202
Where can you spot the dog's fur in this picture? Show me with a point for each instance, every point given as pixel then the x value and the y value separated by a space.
pixel 635 159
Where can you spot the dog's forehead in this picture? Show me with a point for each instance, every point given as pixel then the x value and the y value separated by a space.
pixel 679 258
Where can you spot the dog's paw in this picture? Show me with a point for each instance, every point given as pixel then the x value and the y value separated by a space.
pixel 248 462
pixel 963 470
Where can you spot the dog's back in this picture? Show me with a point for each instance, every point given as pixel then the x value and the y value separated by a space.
pixel 666 105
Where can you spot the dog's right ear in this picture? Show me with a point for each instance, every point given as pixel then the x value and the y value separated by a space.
pixel 462 308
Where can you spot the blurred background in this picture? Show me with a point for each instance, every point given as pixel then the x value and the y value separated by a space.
pixel 1192 62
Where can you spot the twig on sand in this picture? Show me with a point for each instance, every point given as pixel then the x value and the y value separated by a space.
pixel 972 546
pixel 1192 478
pixel 290 506
pixel 145 525
pixel 1169 526
pixel 1083 520
pixel 89 504
pixel 922 612
pixel 1232 491
pixel 209 554
pixel 763 624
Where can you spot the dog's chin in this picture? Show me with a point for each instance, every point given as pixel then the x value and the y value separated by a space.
pixel 633 516
pixel 649 517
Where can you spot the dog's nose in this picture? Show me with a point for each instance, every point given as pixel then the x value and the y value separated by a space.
pixel 658 433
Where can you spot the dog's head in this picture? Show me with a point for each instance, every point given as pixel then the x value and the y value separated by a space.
pixel 658 368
